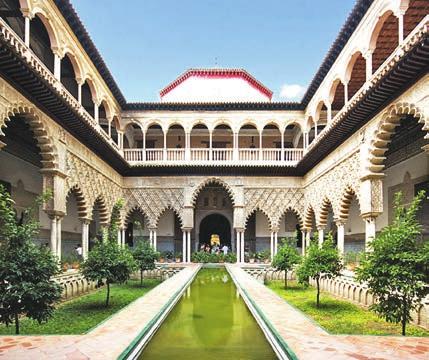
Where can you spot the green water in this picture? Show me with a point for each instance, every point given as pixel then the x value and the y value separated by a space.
pixel 211 321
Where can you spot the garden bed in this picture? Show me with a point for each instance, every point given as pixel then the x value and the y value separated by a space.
pixel 339 316
pixel 81 314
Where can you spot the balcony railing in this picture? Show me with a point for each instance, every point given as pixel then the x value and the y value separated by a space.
pixel 203 156
pixel 33 60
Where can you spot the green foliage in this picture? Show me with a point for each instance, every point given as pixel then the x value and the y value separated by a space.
pixel 168 255
pixel 352 258
pixel 204 257
pixel 264 255
pixel 396 266
pixel 112 233
pixel 26 270
pixel 145 257
pixel 320 262
pixel 108 261
pixel 81 314
pixel 287 257
pixel 336 315
pixel 230 257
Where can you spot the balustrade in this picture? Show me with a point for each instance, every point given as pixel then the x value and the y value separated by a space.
pixel 274 156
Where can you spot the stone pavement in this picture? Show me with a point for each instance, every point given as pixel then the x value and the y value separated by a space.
pixel 108 340
pixel 309 341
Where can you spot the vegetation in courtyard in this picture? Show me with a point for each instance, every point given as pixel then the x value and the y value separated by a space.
pixel 145 257
pixel 26 269
pixel 395 268
pixel 109 262
pixel 287 257
pixel 79 315
pixel 320 262
pixel 205 257
pixel 339 316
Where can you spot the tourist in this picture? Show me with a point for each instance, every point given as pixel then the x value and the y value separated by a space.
pixel 79 250
pixel 225 249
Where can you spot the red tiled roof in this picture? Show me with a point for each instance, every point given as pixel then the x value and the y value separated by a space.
pixel 218 73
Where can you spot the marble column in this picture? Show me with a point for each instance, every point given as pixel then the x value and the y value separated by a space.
pixel 184 246
pixel 85 238
pixel 369 230
pixel 340 236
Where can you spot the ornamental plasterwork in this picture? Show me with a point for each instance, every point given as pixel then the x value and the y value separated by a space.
pixel 153 202
pixel 274 202
pixel 93 184
pixel 332 186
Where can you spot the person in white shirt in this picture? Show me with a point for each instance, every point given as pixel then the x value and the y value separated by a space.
pixel 79 250
pixel 225 249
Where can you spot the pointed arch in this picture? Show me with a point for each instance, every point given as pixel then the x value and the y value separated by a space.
pixel 214 181
pixel 164 210
pixel 101 205
pixel 324 212
pixel 347 197
pixel 383 134
pixel 271 224
pixel 82 205
pixel 291 209
pixel 45 141
pixel 135 210
pixel 309 215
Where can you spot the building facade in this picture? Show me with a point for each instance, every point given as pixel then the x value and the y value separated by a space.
pixel 215 154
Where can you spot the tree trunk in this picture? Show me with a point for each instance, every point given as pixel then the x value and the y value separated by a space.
pixel 16 324
pixel 108 294
pixel 141 277
pixel 318 293
pixel 404 316
pixel 285 279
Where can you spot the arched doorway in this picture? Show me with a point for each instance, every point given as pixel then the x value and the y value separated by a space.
pixel 215 224
pixel 213 199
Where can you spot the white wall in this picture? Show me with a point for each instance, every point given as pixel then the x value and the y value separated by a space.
pixel 417 167
pixel 262 226
pixel 26 182
pixel 166 224
pixel 214 89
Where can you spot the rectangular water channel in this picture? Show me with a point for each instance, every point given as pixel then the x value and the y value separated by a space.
pixel 211 321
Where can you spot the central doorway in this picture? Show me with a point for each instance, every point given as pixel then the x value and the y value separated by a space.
pixel 215 224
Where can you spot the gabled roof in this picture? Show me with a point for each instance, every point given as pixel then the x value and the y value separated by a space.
pixel 218 73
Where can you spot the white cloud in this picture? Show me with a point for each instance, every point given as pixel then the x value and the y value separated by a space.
pixel 292 91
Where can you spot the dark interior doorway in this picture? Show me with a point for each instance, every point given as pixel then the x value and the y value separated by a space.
pixel 215 224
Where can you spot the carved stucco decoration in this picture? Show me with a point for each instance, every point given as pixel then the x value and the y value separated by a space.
pixel 382 136
pixel 38 124
pixel 331 189
pixel 274 203
pixel 92 186
pixel 153 202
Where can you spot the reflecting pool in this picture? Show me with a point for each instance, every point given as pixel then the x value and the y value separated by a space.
pixel 211 321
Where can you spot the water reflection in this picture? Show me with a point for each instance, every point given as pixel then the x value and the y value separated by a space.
pixel 211 323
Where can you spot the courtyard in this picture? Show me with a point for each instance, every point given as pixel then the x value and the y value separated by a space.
pixel 218 218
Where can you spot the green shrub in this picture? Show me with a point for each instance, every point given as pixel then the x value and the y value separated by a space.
pixel 230 257
pixel 204 257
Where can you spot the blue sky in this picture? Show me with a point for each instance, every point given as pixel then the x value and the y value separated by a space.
pixel 147 43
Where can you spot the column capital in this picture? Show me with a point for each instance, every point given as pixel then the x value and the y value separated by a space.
pixel 85 221
pixel 340 222
pixel 55 214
